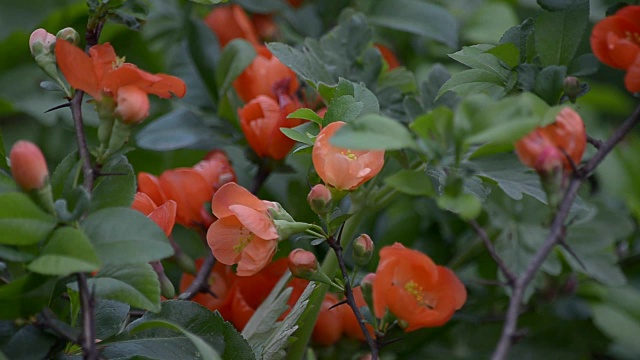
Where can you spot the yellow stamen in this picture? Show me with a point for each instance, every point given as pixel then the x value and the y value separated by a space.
pixel 245 239
pixel 349 155
pixel 416 290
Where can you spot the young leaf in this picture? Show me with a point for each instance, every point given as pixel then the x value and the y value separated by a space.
pixel 67 251
pixel 125 236
pixel 22 222
pixel 110 317
pixel 306 114
pixel 205 351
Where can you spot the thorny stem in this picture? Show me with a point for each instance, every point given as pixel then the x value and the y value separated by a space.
pixel 88 303
pixel 556 235
pixel 348 292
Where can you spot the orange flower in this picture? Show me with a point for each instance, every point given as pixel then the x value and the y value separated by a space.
pixel 244 233
pixel 545 149
pixel 28 166
pixel 101 72
pixel 616 42
pixel 265 26
pixel 190 188
pixel 261 120
pixel 414 289
pixel 341 168
pixel 388 56
pixel 231 22
pixel 266 76
pixel 164 216
pixel 328 328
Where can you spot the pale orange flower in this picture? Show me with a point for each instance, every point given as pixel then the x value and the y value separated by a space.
pixel 342 168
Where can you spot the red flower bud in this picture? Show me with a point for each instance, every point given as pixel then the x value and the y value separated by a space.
pixel 302 263
pixel 362 250
pixel 132 104
pixel 28 166
pixel 319 199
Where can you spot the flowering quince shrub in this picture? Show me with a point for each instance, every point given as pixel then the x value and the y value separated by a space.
pixel 399 179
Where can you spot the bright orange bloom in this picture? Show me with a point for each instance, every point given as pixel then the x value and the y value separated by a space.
pixel 28 166
pixel 328 328
pixel 190 188
pixel 231 22
pixel 616 42
pixel 414 289
pixel 261 120
pixel 164 216
pixel 101 72
pixel 547 148
pixel 342 168
pixel 266 76
pixel 220 281
pixel 244 233
pixel 350 324
pixel 388 56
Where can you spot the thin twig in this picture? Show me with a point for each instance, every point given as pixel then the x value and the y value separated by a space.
pixel 555 236
pixel 260 177
pixel 594 142
pixel 88 303
pixel 348 292
pixel 511 277
pixel 201 282
pixel 46 319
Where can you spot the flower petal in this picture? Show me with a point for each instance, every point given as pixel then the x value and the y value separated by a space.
pixel 77 68
pixel 234 194
pixel 223 237
pixel 257 222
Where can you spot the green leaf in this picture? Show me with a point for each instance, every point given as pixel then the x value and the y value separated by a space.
pixel 7 184
pixel 488 21
pixel 236 56
pixel 125 236
pixel 306 114
pixel 559 32
pixel 133 284
pixel 205 351
pixel 302 62
pixel 411 182
pixel 466 205
pixel 479 57
pixel 584 65
pixel 373 132
pixel 29 343
pixel 345 108
pixel 25 296
pixel 111 317
pixel 296 135
pixel 167 344
pixel 22 222
pixel 417 17
pixel 65 176
pixel 67 251
pixel 204 51
pixel 474 81
pixel 178 129
pixel 618 325
pixel 10 253
pixel 508 53
pixel 116 187
pixel 263 6
pixel 549 83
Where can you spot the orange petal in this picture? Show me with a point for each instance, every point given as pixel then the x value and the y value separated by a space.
pixel 257 222
pixel 77 68
pixel 256 256
pixel 165 216
pixel 103 57
pixel 223 235
pixel 190 191
pixel 150 185
pixel 234 194
pixel 143 203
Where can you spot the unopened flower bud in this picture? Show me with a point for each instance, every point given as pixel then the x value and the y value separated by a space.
pixel 572 87
pixel 69 34
pixel 132 104
pixel 41 42
pixel 302 263
pixel 362 250
pixel 28 166
pixel 319 199
pixel 366 284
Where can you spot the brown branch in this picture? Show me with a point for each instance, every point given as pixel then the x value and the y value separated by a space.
pixel 201 282
pixel 88 303
pixel 511 277
pixel 556 235
pixel 348 292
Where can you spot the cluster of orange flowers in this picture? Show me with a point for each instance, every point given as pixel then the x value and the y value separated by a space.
pixel 616 42
pixel 267 86
pixel 190 188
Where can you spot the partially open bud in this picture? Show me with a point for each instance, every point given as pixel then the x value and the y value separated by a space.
pixel 28 166
pixel 69 34
pixel 132 104
pixel 41 42
pixel 362 250
pixel 319 200
pixel 302 263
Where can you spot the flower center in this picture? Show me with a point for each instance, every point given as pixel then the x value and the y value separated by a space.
pixel 633 37
pixel 349 154
pixel 118 62
pixel 419 294
pixel 243 241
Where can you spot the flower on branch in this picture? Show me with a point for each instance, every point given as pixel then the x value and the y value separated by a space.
pixel 414 289
pixel 616 42
pixel 164 215
pixel 245 233
pixel 266 75
pixel 344 169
